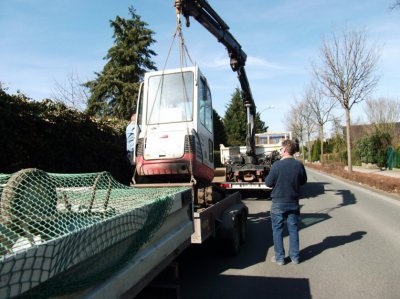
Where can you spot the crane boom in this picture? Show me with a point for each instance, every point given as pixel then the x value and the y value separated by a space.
pixel 207 17
pixel 176 142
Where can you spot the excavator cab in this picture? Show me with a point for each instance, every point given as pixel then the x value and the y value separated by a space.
pixel 175 140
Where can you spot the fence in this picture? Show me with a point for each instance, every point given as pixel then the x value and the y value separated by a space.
pixel 392 158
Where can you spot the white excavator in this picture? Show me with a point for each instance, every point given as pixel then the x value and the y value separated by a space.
pixel 175 117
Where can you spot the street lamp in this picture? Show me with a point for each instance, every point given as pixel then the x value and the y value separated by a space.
pixel 269 107
pixel 259 113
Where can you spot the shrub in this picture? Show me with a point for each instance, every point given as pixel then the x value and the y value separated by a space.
pixel 373 148
pixel 316 151
pixel 53 138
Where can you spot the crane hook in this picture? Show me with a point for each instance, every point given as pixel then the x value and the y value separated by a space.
pixel 178 11
pixel 178 7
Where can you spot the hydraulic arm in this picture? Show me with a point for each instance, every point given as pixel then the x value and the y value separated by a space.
pixel 206 16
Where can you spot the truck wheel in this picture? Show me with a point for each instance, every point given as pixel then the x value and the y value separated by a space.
pixel 243 228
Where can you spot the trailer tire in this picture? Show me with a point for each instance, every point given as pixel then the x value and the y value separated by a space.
pixel 233 244
pixel 243 227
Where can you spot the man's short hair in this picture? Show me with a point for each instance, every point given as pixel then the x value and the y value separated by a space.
pixel 290 146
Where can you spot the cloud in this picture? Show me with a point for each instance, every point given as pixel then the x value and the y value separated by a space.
pixel 222 63
pixel 262 63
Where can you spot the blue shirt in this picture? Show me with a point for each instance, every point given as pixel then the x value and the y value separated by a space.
pixel 285 178
pixel 130 137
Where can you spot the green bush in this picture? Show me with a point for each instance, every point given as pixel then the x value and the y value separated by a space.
pixel 372 148
pixel 355 156
pixel 53 138
pixel 316 151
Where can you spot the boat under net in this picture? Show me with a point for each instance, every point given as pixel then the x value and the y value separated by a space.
pixel 63 232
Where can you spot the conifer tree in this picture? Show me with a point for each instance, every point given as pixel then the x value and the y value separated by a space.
pixel 115 89
pixel 260 125
pixel 219 130
pixel 235 121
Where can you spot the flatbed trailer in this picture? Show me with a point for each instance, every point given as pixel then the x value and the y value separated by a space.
pixel 187 223
pixel 167 243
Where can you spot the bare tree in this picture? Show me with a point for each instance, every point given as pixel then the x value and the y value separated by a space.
pixel 338 137
pixel 302 123
pixel 382 110
pixel 382 114
pixel 295 124
pixel 337 128
pixel 321 108
pixel 72 93
pixel 307 116
pixel 347 72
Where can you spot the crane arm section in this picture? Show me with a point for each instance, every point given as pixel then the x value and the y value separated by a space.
pixel 207 17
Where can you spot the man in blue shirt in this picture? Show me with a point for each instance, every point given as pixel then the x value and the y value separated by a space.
pixel 286 177
pixel 130 139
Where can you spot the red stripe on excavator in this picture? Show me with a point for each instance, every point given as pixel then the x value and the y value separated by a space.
pixel 173 166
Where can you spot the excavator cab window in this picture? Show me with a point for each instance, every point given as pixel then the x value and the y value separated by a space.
pixel 205 103
pixel 170 98
pixel 139 114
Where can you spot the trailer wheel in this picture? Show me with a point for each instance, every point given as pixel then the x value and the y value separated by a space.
pixel 233 243
pixel 243 228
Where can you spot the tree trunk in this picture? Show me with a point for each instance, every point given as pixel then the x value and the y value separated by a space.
pixel 348 141
pixel 321 136
pixel 308 148
pixel 302 149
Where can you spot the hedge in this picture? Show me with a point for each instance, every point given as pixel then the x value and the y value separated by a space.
pixel 54 138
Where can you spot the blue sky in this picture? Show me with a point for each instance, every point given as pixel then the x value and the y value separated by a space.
pixel 43 42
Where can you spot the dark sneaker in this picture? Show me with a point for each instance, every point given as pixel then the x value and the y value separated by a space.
pixel 279 263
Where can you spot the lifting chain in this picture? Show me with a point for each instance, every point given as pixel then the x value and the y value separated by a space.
pixel 182 50
pixel 178 11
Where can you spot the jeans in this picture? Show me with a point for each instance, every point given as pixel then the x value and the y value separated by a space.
pixel 279 213
pixel 130 156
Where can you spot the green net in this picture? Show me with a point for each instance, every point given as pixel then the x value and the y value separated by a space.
pixel 62 232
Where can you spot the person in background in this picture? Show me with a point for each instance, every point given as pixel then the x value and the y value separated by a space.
pixel 130 139
pixel 285 178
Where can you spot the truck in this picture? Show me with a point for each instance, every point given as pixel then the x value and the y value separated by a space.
pixel 174 148
pixel 238 175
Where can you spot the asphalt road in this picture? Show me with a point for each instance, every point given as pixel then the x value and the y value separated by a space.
pixel 349 248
